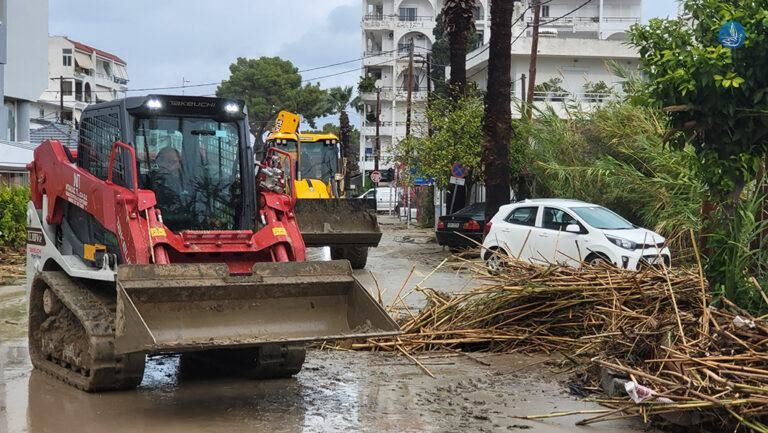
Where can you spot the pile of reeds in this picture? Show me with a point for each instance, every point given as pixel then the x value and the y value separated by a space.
pixel 655 327
pixel 11 265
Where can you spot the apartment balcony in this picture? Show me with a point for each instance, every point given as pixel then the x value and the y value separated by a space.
pixel 386 94
pixel 416 22
pixel 377 57
pixel 585 23
pixel 378 22
pixel 563 103
pixel 369 128
pixel 398 94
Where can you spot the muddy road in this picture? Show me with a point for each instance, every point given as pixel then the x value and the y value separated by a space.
pixel 336 390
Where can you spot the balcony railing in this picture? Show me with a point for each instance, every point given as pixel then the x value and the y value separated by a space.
pixel 585 97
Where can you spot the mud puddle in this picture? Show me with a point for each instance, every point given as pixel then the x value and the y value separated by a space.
pixel 336 391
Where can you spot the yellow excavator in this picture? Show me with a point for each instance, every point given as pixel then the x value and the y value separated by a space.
pixel 326 212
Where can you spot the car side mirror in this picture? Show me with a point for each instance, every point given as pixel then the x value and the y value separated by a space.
pixel 573 228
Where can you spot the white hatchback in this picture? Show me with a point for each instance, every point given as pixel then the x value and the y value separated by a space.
pixel 569 232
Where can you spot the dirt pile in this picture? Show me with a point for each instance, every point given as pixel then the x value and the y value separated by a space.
pixel 655 330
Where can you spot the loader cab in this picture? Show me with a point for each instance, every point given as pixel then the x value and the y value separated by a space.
pixel 193 152
pixel 319 156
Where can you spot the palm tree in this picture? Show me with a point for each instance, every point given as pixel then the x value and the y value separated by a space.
pixel 458 22
pixel 497 122
pixel 340 98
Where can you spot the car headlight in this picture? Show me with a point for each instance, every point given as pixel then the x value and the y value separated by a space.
pixel 623 243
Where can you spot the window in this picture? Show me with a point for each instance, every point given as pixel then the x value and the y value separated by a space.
pixel 42 113
pixel 545 11
pixel 556 219
pixel 97 133
pixel 66 54
pixel 407 14
pixel 602 218
pixel 193 166
pixel 66 88
pixel 524 216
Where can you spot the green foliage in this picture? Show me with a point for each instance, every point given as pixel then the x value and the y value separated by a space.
pixel 457 137
pixel 739 252
pixel 366 84
pixel 340 98
pixel 271 84
pixel 716 97
pixel 615 157
pixel 13 216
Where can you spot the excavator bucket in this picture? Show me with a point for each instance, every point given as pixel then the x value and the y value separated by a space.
pixel 185 307
pixel 338 222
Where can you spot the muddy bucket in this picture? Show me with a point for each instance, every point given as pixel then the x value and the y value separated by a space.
pixel 184 307
pixel 338 222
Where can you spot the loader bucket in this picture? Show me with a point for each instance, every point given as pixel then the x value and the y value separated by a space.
pixel 186 307
pixel 338 222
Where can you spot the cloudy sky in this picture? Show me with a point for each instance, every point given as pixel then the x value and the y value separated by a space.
pixel 165 41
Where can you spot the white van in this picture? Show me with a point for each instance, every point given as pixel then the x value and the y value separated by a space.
pixel 386 200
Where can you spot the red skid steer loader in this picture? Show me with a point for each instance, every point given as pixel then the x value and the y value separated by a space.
pixel 152 237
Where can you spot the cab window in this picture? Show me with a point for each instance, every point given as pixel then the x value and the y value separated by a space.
pixel 523 216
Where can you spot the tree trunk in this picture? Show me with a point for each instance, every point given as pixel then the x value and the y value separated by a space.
pixel 497 124
pixel 458 21
pixel 352 153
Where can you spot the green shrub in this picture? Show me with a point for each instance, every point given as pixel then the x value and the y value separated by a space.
pixel 13 216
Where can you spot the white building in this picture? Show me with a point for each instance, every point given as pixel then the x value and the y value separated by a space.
pixel 83 75
pixel 576 46
pixel 23 63
pixel 572 48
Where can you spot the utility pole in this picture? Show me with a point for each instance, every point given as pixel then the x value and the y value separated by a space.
pixel 377 150
pixel 429 92
pixel 184 82
pixel 534 57
pixel 522 83
pixel 408 100
pixel 61 99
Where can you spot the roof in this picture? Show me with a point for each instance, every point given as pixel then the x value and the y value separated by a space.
pixel 89 49
pixel 312 137
pixel 66 134
pixel 15 156
pixel 565 202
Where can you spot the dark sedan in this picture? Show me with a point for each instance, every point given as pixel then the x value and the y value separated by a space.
pixel 462 229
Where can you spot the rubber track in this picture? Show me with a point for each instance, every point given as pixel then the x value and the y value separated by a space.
pixel 96 313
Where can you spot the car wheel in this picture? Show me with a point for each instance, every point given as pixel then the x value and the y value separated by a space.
pixel 598 260
pixel 495 261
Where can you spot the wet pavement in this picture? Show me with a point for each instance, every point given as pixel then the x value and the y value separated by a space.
pixel 336 391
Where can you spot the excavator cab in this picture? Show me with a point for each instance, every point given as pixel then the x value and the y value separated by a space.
pixel 160 234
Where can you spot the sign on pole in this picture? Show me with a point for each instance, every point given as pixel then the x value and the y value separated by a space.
pixel 458 170
pixel 458 180
pixel 376 176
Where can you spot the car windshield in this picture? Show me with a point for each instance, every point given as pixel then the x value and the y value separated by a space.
pixel 192 165
pixel 602 218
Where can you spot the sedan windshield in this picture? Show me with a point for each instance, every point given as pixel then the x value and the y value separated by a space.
pixel 602 218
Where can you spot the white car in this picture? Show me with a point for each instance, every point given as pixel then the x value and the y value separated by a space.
pixel 569 232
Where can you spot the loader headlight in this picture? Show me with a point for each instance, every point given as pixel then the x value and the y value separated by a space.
pixel 231 108
pixel 154 104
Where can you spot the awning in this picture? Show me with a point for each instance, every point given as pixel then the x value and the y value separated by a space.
pixel 83 60
pixel 120 71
